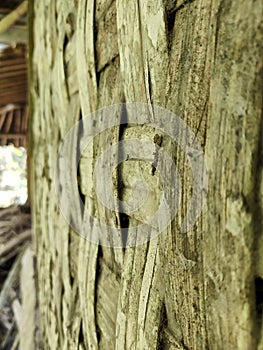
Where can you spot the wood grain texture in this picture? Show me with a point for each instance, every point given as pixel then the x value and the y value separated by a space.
pixel 202 61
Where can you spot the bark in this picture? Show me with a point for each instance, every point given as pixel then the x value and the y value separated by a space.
pixel 201 60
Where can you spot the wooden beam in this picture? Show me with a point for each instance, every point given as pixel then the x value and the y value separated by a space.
pixel 14 35
pixel 6 62
pixel 17 121
pixel 10 107
pixel 15 67
pixel 18 90
pixel 8 122
pixel 2 119
pixel 11 136
pixel 13 74
pixel 22 21
pixel 15 98
pixel 24 121
pixel 13 16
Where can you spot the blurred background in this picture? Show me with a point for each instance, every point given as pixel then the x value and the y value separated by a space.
pixel 13 103
pixel 15 219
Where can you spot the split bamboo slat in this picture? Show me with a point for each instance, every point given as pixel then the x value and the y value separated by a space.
pixel 14 125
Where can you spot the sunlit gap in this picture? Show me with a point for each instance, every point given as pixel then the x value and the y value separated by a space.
pixel 13 176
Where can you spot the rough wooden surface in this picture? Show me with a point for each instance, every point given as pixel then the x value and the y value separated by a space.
pixel 202 61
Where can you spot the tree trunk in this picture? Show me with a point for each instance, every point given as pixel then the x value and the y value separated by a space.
pixel 198 288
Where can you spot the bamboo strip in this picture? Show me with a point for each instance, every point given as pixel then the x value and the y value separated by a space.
pixel 2 119
pixel 11 279
pixel 12 17
pixel 21 237
pixel 17 121
pixel 15 60
pixel 9 212
pixel 9 108
pixel 8 121
pixel 9 84
pixel 13 74
pixel 24 124
pixel 14 67
pixel 14 135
